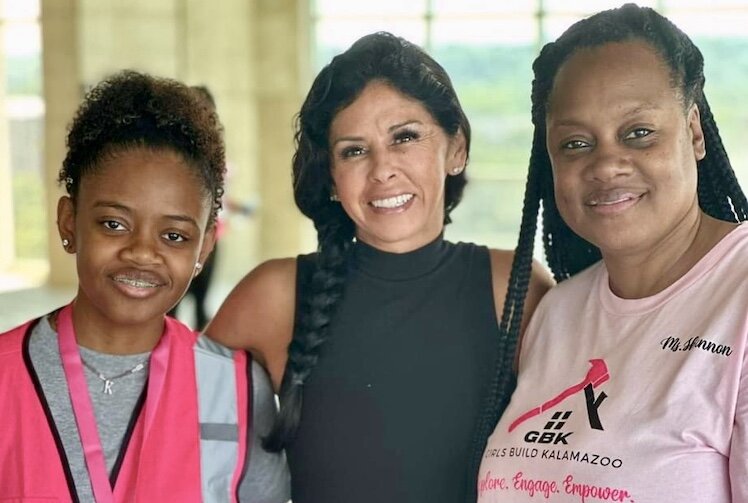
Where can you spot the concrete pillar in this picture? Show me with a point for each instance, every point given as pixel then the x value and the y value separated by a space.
pixel 225 64
pixel 61 93
pixel 142 35
pixel 282 40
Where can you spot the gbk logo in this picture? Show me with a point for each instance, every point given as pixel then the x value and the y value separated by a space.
pixel 551 433
pixel 596 375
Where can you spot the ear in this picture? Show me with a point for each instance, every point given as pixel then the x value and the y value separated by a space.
pixel 457 154
pixel 209 241
pixel 697 133
pixel 66 222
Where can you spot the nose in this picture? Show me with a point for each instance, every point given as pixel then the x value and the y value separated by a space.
pixel 141 249
pixel 384 166
pixel 608 161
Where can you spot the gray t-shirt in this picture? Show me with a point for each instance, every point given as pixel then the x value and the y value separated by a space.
pixel 267 479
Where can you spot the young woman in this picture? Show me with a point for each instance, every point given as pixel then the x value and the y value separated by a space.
pixel 632 380
pixel 389 333
pixel 107 399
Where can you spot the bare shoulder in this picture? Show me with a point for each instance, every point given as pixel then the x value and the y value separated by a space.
pixel 258 314
pixel 540 282
pixel 501 267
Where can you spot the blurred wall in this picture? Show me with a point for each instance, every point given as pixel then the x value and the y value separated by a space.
pixel 253 56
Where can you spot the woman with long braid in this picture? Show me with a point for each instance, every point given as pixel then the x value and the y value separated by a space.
pixel 388 332
pixel 633 383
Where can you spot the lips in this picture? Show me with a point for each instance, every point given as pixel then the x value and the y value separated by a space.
pixel 613 197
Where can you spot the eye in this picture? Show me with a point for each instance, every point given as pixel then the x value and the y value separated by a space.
pixel 113 225
pixel 406 136
pixel 640 132
pixel 174 237
pixel 352 151
pixel 574 145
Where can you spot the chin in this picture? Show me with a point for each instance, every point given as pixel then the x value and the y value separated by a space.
pixel 617 243
pixel 137 315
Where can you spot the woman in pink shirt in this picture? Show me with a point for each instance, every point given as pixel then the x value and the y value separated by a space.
pixel 633 381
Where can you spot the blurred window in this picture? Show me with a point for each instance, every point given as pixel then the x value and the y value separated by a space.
pixel 21 145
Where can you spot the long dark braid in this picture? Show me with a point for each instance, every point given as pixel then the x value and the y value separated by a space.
pixel 566 252
pixel 720 195
pixel 407 68
pixel 328 282
pixel 503 381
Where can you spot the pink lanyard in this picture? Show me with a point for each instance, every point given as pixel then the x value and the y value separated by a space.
pixel 81 400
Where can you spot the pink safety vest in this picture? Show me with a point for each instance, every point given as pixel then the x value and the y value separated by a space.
pixel 162 461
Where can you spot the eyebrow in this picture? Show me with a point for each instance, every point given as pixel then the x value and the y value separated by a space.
pixel 643 108
pixel 646 107
pixel 125 209
pixel 390 129
pixel 116 206
pixel 402 124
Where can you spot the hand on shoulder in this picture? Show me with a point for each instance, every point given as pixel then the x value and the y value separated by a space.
pixel 258 315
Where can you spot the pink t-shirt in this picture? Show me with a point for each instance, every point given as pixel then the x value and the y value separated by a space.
pixel 642 400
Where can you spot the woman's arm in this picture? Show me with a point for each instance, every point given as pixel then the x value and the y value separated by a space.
pixel 540 282
pixel 258 315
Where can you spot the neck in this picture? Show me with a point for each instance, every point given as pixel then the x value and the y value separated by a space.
pixel 402 247
pixel 639 275
pixel 105 336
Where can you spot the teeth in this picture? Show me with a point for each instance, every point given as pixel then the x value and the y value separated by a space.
pixel 392 202
pixel 613 196
pixel 137 283
pixel 608 203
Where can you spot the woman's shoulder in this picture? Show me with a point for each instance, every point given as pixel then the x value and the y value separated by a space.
pixel 258 313
pixel 11 340
pixel 540 282
pixel 271 283
pixel 469 252
pixel 566 293
pixel 272 270
pixel 501 266
pixel 501 258
pixel 501 262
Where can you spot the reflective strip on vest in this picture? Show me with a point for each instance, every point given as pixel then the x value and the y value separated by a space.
pixel 217 410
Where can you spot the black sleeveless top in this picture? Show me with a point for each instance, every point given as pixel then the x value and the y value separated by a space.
pixel 390 410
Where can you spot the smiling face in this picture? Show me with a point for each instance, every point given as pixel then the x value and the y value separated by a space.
pixel 138 227
pixel 623 148
pixel 389 162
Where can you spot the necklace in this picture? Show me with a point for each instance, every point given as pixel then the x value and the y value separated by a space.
pixel 109 381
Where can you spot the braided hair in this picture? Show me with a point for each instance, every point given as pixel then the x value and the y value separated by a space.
pixel 567 253
pixel 135 110
pixel 379 57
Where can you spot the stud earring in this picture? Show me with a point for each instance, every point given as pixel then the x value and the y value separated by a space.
pixel 456 170
pixel 198 266
pixel 334 198
pixel 65 242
